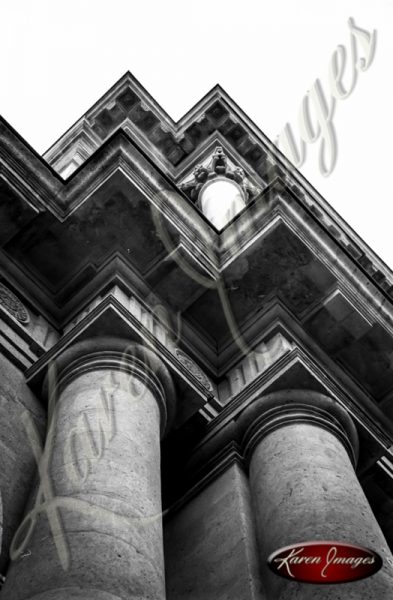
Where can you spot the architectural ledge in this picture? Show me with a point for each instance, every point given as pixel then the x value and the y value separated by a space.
pixel 125 319
pixel 295 370
pixel 129 106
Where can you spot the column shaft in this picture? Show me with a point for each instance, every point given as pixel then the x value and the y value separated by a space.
pixel 304 488
pixel 100 535
pixel 17 464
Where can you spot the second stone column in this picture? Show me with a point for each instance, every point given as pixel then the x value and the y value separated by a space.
pixel 94 530
pixel 301 447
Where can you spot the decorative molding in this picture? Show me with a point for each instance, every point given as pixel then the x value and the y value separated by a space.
pixel 13 305
pixel 218 168
pixel 187 362
pixel 111 317
pixel 386 462
pixel 386 465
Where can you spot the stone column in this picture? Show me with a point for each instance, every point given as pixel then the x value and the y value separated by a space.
pixel 302 448
pixel 18 467
pixel 96 524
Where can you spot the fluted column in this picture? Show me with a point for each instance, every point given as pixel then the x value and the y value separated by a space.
pixel 95 525
pixel 302 449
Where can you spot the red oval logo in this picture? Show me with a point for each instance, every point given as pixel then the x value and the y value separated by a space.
pixel 324 562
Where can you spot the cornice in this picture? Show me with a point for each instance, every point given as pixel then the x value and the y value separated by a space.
pixel 115 157
pixel 222 109
pixel 112 318
pixel 217 96
pixel 278 204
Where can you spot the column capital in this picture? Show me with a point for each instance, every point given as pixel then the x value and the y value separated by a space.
pixel 287 407
pixel 117 354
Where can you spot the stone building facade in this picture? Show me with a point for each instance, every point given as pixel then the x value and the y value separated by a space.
pixel 196 363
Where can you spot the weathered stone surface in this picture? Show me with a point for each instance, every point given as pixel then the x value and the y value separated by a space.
pixel 210 546
pixel 279 265
pixel 104 468
pixel 304 488
pixel 18 465
pixel 1 519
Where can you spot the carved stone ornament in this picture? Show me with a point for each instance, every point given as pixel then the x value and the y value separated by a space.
pixel 187 362
pixel 13 305
pixel 218 167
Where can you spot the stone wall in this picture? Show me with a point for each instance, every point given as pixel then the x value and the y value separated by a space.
pixel 210 545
